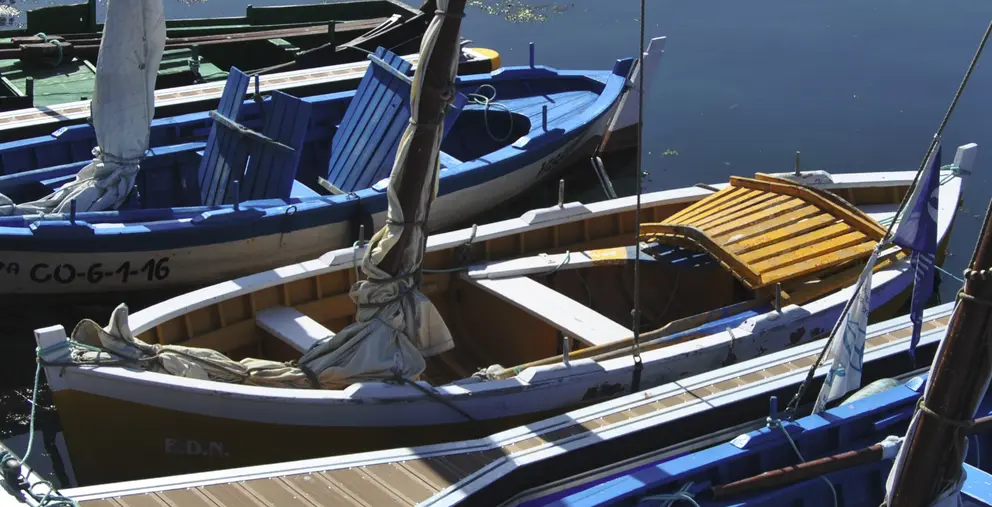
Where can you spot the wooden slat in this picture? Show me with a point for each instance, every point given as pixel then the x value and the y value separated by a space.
pixel 811 252
pixel 320 491
pixel 716 213
pixel 774 229
pixel 857 218
pixel 271 171
pixel 819 263
pixel 187 497
pixel 722 196
pixel 739 267
pixel 214 172
pixel 433 472
pixel 362 143
pixel 738 221
pixel 361 487
pixel 232 493
pixel 275 492
pixel 402 482
pixel 714 203
pixel 789 245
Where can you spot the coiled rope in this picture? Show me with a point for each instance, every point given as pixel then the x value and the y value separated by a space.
pixel 49 498
pixel 486 102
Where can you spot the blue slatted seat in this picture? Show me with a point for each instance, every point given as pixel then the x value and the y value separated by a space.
pixel 364 146
pixel 264 163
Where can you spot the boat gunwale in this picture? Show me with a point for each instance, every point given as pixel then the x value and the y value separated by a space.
pixel 379 394
pixel 571 128
pixel 520 433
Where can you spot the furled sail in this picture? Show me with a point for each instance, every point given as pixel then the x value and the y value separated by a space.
pixel 122 108
pixel 396 325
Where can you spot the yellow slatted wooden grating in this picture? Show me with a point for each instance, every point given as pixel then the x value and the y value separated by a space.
pixel 768 230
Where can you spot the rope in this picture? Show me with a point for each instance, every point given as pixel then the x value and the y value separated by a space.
pixel 973 299
pixel 794 403
pixel 948 273
pixel 682 494
pixel 940 129
pixel 436 397
pixel 959 424
pixel 484 101
pixel 774 422
pixel 50 498
pixel 58 61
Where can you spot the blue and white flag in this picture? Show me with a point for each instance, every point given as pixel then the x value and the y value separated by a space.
pixel 917 230
pixel 847 342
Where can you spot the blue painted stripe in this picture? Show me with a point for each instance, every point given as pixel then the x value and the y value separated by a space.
pixel 159 229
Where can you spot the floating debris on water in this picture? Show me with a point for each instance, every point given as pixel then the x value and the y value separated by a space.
pixel 520 12
pixel 8 13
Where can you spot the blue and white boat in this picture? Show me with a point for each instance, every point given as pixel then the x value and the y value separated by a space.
pixel 212 203
pixel 688 476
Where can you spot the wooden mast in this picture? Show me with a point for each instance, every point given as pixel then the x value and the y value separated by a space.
pixel 433 101
pixel 958 380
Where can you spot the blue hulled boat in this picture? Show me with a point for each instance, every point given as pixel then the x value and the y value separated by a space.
pixel 266 182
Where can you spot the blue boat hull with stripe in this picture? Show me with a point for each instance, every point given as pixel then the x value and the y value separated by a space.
pixel 173 236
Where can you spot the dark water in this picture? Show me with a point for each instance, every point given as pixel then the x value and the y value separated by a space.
pixel 852 84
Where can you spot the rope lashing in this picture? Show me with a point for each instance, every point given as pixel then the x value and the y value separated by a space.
pixel 682 494
pixel 477 97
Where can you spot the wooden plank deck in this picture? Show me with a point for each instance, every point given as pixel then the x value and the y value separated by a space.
pixel 468 471
pixel 767 230
pixel 183 95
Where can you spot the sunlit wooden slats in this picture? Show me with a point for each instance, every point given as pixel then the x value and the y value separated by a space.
pixel 723 197
pixel 819 263
pixel 745 219
pixel 812 251
pixel 771 230
pixel 790 245
pixel 745 203
pixel 774 229
pixel 751 207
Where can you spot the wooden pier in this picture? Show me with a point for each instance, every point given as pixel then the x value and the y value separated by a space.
pixel 492 470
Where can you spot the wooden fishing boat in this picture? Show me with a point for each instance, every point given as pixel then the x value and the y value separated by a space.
pixel 52 60
pixel 811 238
pixel 535 460
pixel 188 224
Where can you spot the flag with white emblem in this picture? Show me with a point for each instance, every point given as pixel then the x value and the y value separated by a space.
pixel 847 342
pixel 916 230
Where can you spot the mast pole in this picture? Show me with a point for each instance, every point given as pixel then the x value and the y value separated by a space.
pixel 435 97
pixel 958 381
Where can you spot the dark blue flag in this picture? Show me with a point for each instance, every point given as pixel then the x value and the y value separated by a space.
pixel 917 231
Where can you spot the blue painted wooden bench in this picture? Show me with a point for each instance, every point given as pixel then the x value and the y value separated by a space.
pixel 364 146
pixel 264 163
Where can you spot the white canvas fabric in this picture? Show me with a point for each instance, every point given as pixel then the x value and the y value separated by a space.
pixel 396 325
pixel 122 109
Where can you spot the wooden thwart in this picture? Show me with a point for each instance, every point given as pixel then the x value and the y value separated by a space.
pixel 768 230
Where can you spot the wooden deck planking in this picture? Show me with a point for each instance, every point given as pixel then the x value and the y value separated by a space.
pixel 412 481
pixel 771 231
pixel 791 244
pixel 818 249
pixel 743 219
pixel 743 207
pixel 781 228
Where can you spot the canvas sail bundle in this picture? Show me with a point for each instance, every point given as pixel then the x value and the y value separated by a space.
pixel 396 326
pixel 122 110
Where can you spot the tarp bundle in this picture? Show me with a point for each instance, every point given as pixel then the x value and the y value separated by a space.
pixel 396 325
pixel 122 109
